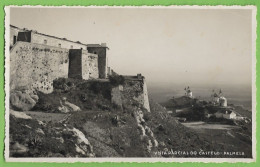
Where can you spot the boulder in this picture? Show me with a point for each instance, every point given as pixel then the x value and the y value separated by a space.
pixel 18 148
pixel 63 109
pixel 20 115
pixel 71 107
pixel 40 131
pixel 66 107
pixel 22 101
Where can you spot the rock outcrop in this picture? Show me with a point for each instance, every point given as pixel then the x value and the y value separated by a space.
pixel 66 107
pixel 146 133
pixel 22 100
pixel 32 138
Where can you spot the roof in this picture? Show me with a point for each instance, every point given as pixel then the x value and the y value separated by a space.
pixel 16 27
pixel 65 39
pixel 96 46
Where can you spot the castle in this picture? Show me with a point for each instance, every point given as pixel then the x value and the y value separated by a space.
pixel 37 59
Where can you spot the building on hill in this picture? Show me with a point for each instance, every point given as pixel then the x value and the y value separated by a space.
pixel 51 57
pixel 32 36
pixel 227 114
pixel 14 34
pixel 188 92
pixel 215 99
pixel 134 88
pixel 223 101
pixel 101 51
pixel 218 99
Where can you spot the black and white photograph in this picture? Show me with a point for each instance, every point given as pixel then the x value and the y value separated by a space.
pixel 130 84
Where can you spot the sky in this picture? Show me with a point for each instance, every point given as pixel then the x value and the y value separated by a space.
pixel 167 46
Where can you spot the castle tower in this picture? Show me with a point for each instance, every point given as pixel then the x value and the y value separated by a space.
pixel 75 63
pixel 101 51
pixel 82 65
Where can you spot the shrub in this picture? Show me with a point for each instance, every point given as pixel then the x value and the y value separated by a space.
pixel 116 80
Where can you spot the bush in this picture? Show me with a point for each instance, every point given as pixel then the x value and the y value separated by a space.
pixel 116 80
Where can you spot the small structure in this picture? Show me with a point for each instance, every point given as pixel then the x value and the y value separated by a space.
pixel 228 114
pixel 215 99
pixel 218 99
pixel 223 101
pixel 188 92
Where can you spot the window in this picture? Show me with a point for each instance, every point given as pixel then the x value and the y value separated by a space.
pixel 45 41
pixel 59 45
pixel 14 39
pixel 71 47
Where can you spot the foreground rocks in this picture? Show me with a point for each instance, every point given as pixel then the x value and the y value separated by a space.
pixel 66 107
pixel 32 138
pixel 22 100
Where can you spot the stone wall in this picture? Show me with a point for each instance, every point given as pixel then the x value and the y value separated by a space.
pixel 75 66
pixel 36 66
pixel 134 91
pixel 93 66
pixel 39 38
pixel 13 35
pixel 145 96
pixel 83 65
pixel 56 42
pixel 116 97
pixel 102 60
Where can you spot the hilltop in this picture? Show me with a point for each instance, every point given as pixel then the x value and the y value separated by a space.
pixel 207 120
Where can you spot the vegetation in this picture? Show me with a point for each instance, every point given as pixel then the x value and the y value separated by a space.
pixel 116 80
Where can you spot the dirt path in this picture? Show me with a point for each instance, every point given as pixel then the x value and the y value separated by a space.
pixel 43 116
pixel 203 125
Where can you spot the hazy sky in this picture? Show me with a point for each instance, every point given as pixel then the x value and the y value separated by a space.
pixel 183 46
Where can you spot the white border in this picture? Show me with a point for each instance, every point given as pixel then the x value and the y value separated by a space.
pixel 116 159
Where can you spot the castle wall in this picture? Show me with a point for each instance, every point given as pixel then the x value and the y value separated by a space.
pixel 75 66
pixel 102 60
pixel 116 95
pixel 82 64
pixel 36 66
pixel 85 65
pixel 136 91
pixel 56 42
pixel 93 66
pixel 13 35
pixel 145 96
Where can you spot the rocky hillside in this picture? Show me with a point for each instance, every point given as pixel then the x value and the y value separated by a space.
pixel 87 124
